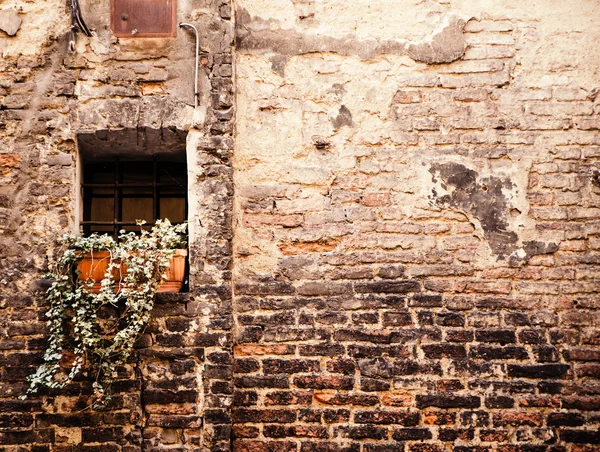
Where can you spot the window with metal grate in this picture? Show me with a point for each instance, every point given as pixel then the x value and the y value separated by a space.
pixel 117 193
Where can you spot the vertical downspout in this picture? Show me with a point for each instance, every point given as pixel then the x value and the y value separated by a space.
pixel 196 93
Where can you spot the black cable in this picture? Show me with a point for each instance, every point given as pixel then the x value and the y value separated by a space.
pixel 77 22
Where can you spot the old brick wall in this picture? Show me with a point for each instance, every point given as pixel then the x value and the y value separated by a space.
pixel 175 393
pixel 416 230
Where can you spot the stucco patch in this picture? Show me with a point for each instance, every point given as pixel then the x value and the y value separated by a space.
pixel 10 22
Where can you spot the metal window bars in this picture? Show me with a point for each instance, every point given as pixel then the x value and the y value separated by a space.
pixel 158 182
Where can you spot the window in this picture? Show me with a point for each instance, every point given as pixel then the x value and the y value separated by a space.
pixel 117 193
pixel 131 175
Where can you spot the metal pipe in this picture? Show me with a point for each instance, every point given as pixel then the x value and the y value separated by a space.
pixel 196 93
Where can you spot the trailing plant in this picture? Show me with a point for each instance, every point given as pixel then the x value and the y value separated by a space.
pixel 80 338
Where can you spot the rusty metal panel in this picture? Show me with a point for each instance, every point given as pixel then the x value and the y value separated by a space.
pixel 143 18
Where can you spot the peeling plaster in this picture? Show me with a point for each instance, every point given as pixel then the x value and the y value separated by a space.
pixel 344 118
pixel 480 197
pixel 445 45
pixel 278 63
pixel 487 200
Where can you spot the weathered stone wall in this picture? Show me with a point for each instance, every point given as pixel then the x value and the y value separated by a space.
pixel 416 230
pixel 175 392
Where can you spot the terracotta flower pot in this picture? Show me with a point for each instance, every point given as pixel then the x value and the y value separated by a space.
pixel 173 278
pixel 92 267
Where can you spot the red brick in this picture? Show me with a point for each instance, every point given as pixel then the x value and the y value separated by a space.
pixel 518 418
pixel 10 160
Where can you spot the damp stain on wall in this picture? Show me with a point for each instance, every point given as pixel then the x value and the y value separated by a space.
pixel 445 44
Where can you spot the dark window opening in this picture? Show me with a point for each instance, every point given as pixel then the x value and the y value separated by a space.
pixel 117 193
